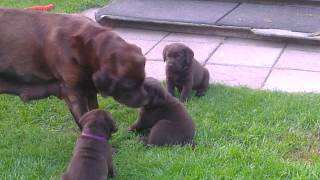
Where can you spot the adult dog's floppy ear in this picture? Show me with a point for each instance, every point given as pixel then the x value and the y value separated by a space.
pixel 82 43
pixel 104 82
pixel 82 47
pixel 189 55
pixel 165 53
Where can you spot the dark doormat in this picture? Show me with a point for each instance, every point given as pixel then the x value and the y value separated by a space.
pixel 186 11
pixel 288 17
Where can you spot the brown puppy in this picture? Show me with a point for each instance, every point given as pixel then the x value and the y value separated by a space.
pixel 84 58
pixel 167 118
pixel 184 72
pixel 92 158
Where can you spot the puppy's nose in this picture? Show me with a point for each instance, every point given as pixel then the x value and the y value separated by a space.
pixel 170 64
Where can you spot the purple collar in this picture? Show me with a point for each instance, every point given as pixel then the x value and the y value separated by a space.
pixel 99 138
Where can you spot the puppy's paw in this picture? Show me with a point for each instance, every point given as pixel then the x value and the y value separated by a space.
pixel 143 140
pixel 200 93
pixel 132 128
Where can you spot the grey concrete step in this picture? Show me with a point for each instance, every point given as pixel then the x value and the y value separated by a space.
pixel 279 21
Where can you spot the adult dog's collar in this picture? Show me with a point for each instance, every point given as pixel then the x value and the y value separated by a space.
pixel 92 136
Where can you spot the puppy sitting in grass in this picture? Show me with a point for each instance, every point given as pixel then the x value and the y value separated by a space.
pixel 166 118
pixel 92 158
pixel 184 72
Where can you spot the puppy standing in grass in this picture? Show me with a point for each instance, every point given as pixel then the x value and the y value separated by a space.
pixel 184 72
pixel 167 118
pixel 92 158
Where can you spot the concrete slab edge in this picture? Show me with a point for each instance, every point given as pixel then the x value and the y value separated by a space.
pixel 286 34
pixel 205 29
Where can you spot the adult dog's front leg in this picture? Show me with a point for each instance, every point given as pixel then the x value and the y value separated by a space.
pixel 92 100
pixel 76 102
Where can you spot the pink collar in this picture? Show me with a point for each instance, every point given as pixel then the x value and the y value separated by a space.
pixel 99 138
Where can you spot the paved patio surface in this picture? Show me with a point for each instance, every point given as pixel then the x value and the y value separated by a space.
pixel 237 62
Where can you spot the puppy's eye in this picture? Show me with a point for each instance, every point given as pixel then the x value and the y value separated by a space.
pixel 177 56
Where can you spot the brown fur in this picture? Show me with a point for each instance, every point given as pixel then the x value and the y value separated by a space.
pixel 184 72
pixel 30 92
pixel 81 57
pixel 92 159
pixel 167 119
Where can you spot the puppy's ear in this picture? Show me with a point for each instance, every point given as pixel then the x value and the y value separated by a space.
pixel 156 93
pixel 104 82
pixel 159 97
pixel 87 117
pixel 165 53
pixel 109 123
pixel 189 55
pixel 113 127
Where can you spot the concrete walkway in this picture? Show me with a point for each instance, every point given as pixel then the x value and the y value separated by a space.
pixel 237 62
pixel 288 20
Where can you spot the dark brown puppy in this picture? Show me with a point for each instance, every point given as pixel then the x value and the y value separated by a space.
pixel 184 72
pixel 167 119
pixel 84 58
pixel 92 158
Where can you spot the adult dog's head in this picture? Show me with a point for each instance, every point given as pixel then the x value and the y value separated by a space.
pixel 98 122
pixel 178 56
pixel 118 68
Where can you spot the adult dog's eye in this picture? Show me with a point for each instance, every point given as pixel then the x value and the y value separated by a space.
pixel 128 85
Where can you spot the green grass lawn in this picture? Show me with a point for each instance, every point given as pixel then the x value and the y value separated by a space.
pixel 241 134
pixel 68 6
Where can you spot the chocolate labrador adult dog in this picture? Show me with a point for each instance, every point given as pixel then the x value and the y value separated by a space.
pixel 71 52
pixel 166 118
pixel 92 158
pixel 184 72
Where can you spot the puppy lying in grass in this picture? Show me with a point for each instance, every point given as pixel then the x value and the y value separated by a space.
pixel 167 119
pixel 92 158
pixel 184 72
